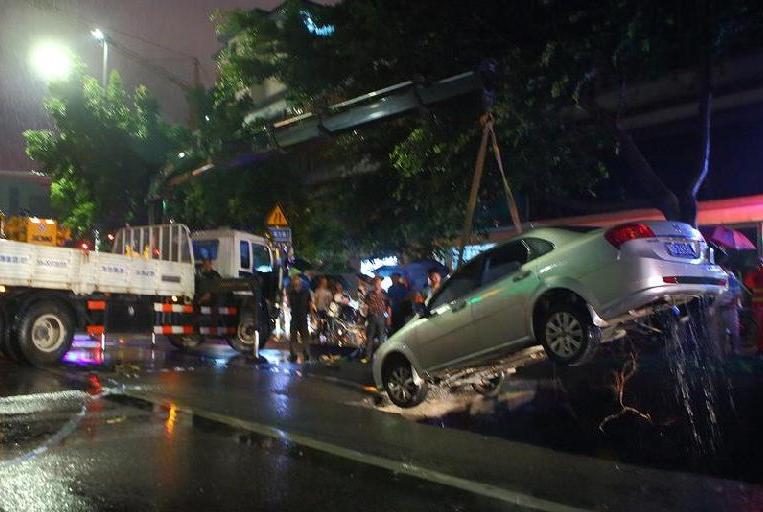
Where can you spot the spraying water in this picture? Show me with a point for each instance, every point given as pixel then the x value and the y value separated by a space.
pixel 702 389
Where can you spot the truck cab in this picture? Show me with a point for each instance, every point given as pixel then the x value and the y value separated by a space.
pixel 233 253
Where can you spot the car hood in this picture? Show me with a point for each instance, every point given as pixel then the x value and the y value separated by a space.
pixel 407 334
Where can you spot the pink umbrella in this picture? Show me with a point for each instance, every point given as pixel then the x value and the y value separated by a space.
pixel 728 238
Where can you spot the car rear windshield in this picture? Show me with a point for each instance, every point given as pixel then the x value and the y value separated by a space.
pixel 576 229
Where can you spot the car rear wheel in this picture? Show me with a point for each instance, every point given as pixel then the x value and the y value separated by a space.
pixel 403 385
pixel 568 334
pixel 44 333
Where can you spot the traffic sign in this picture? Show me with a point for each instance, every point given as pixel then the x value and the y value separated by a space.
pixel 276 217
pixel 280 235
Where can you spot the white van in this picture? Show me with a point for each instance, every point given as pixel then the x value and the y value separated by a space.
pixel 233 253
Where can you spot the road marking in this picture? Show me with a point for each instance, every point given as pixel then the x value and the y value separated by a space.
pixel 42 402
pixel 396 466
pixel 15 403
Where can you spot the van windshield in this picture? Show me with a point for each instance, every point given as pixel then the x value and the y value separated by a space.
pixel 261 258
pixel 205 249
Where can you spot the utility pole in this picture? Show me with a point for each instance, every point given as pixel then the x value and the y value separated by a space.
pixel 193 107
pixel 196 72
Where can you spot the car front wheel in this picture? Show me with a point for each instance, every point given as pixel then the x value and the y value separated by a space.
pixel 568 334
pixel 403 385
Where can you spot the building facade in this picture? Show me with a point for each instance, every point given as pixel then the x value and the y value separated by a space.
pixel 27 192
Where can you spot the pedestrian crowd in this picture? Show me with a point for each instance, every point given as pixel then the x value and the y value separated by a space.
pixel 382 312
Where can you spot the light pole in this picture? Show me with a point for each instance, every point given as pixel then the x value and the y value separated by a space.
pixel 98 34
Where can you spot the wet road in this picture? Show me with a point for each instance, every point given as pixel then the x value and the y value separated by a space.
pixel 138 427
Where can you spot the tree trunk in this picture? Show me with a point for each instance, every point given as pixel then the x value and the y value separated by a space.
pixel 662 197
pixel 689 195
pixel 681 207
pixel 594 206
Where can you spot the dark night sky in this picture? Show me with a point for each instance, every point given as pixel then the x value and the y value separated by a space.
pixel 181 25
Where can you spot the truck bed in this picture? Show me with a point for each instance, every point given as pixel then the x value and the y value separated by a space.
pixel 86 272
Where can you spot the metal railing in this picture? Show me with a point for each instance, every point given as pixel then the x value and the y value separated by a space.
pixel 168 242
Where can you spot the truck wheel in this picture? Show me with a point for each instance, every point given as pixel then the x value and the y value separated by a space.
pixel 185 341
pixel 8 346
pixel 568 334
pixel 247 334
pixel 44 333
pixel 402 384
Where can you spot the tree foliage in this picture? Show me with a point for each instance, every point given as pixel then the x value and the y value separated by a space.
pixel 612 46
pixel 104 148
pixel 414 202
pixel 557 58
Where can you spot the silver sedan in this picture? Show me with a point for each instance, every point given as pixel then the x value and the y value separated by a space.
pixel 567 289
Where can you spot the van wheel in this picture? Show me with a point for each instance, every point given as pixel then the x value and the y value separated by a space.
pixel 44 333
pixel 568 334
pixel 403 385
pixel 185 341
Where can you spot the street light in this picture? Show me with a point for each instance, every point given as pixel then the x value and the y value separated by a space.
pixel 52 61
pixel 98 34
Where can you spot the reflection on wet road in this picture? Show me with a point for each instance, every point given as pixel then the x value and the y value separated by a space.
pixel 163 429
pixel 124 457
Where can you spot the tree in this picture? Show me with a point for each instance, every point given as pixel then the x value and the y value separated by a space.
pixel 619 43
pixel 414 202
pixel 557 58
pixel 103 150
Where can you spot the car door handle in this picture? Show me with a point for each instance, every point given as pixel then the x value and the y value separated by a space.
pixel 520 276
pixel 458 305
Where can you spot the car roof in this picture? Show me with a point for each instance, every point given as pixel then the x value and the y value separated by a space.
pixel 556 235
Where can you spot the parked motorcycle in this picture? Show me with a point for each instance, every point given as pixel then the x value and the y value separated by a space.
pixel 343 326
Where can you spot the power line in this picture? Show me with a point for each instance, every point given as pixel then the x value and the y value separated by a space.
pixel 152 66
pixel 148 41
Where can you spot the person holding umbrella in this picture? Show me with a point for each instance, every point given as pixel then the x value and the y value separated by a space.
pixel 733 242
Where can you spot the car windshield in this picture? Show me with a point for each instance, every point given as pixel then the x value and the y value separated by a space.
pixel 261 258
pixel 461 283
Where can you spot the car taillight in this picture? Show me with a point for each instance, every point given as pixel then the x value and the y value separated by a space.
pixel 618 235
